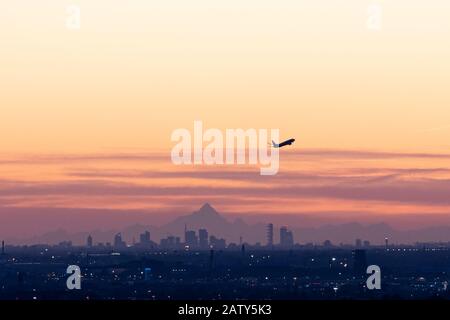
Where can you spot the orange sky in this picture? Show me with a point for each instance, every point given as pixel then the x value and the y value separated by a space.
pixel 137 70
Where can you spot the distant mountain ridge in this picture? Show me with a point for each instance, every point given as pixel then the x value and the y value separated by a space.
pixel 208 218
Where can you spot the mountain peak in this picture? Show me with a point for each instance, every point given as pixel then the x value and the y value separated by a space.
pixel 207 208
pixel 206 217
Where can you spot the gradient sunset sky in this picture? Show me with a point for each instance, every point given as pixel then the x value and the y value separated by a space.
pixel 86 115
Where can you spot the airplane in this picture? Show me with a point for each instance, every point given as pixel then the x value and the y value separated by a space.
pixel 282 144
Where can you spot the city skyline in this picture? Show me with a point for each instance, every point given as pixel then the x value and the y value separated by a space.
pixel 199 226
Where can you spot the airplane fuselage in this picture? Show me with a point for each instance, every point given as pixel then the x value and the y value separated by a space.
pixel 284 143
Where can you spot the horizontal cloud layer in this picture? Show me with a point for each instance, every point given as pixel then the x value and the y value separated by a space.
pixel 313 180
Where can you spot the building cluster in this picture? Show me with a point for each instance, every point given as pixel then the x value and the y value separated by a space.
pixel 202 240
pixel 286 237
pixel 192 240
pixel 198 240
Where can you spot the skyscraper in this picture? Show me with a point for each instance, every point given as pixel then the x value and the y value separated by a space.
pixel 118 243
pixel 89 241
pixel 216 243
pixel 203 238
pixel 270 235
pixel 144 238
pixel 191 239
pixel 286 238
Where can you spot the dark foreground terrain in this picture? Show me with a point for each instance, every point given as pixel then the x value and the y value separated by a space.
pixel 39 273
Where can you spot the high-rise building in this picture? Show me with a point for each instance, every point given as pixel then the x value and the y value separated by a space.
pixel 216 243
pixel 269 230
pixel 358 243
pixel 118 242
pixel 203 238
pixel 171 242
pixel 286 238
pixel 144 238
pixel 89 241
pixel 191 239
pixel 386 242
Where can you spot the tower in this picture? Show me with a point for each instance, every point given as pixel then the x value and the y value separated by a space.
pixel 191 239
pixel 270 235
pixel 118 242
pixel 144 238
pixel 286 238
pixel 89 241
pixel 203 238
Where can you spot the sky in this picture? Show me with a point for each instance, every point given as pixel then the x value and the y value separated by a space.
pixel 86 115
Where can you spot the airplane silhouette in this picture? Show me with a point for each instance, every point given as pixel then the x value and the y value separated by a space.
pixel 282 144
